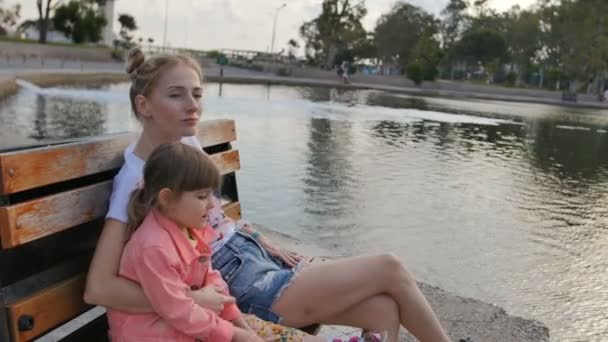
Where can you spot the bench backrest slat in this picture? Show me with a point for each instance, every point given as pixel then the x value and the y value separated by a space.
pixel 27 169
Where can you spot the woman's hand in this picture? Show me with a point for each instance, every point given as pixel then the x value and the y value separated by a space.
pixel 211 297
pixel 290 258
pixel 245 335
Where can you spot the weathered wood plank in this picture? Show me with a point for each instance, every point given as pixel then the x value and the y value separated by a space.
pixel 47 309
pixel 24 222
pixel 31 220
pixel 227 162
pixel 31 168
pixel 214 132
pixel 23 170
pixel 232 210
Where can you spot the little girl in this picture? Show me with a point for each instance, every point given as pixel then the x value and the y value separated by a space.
pixel 168 253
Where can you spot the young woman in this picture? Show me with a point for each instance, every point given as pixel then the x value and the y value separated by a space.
pixel 165 96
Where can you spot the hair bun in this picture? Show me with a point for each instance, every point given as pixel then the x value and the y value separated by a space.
pixel 135 58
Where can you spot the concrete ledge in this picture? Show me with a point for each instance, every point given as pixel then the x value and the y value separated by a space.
pixel 8 87
pixel 69 78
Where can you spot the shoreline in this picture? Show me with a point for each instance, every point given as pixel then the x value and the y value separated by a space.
pixel 461 317
pixel 45 78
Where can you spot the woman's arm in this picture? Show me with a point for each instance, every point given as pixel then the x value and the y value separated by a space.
pixel 160 278
pixel 104 287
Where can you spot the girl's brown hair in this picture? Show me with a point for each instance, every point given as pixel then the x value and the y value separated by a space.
pixel 145 72
pixel 175 166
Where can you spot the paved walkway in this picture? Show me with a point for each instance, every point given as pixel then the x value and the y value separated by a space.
pixel 441 88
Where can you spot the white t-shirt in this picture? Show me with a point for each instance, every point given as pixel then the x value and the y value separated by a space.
pixel 129 177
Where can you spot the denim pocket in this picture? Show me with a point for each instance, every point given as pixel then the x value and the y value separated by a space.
pixel 228 262
pixel 264 313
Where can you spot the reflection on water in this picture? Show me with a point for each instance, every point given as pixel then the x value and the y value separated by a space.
pixel 503 202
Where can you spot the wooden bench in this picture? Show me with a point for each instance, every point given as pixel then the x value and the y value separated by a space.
pixel 53 200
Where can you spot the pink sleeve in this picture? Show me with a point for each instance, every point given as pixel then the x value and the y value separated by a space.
pixel 166 292
pixel 231 311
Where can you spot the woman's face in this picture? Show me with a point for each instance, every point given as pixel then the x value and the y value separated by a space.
pixel 173 106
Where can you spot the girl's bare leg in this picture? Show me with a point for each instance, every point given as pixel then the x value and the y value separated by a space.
pixel 324 291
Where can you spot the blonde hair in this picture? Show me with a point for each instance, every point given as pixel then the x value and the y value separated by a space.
pixel 144 72
pixel 175 166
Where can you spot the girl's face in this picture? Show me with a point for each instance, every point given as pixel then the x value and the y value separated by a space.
pixel 173 106
pixel 191 207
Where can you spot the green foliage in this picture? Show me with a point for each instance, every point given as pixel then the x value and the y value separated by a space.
pixel 415 73
pixel 482 45
pixel 428 55
pixel 511 78
pixel 365 49
pixel 213 54
pixel 79 21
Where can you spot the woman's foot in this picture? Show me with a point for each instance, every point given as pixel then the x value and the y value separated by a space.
pixel 369 336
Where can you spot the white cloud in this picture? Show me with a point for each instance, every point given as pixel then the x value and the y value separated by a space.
pixel 243 24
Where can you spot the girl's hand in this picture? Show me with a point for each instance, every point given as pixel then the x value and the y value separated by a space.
pixel 245 335
pixel 211 297
pixel 241 323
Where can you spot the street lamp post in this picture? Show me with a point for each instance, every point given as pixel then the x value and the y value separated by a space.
pixel 274 26
pixel 165 28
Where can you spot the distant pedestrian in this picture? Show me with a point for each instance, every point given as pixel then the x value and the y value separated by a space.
pixel 345 71
pixel 606 95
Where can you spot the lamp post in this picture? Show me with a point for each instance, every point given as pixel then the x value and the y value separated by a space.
pixel 274 26
pixel 165 29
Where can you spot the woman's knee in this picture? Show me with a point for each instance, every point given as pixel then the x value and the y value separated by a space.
pixel 395 270
pixel 390 312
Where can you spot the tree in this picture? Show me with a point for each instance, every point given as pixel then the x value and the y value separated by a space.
pixel 79 21
pixel 577 37
pixel 9 17
pixel 454 23
pixel 292 47
pixel 43 18
pixel 366 49
pixel 523 38
pixel 397 33
pixel 127 26
pixel 427 53
pixel 336 29
pixel 483 46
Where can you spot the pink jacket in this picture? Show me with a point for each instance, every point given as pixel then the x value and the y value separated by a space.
pixel 162 261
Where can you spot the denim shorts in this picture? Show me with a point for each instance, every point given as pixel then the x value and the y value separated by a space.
pixel 254 278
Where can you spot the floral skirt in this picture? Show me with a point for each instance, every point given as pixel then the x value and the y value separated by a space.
pixel 271 332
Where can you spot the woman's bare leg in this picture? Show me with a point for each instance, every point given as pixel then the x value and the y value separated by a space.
pixel 324 291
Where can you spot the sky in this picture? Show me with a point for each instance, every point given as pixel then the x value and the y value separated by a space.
pixel 238 24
